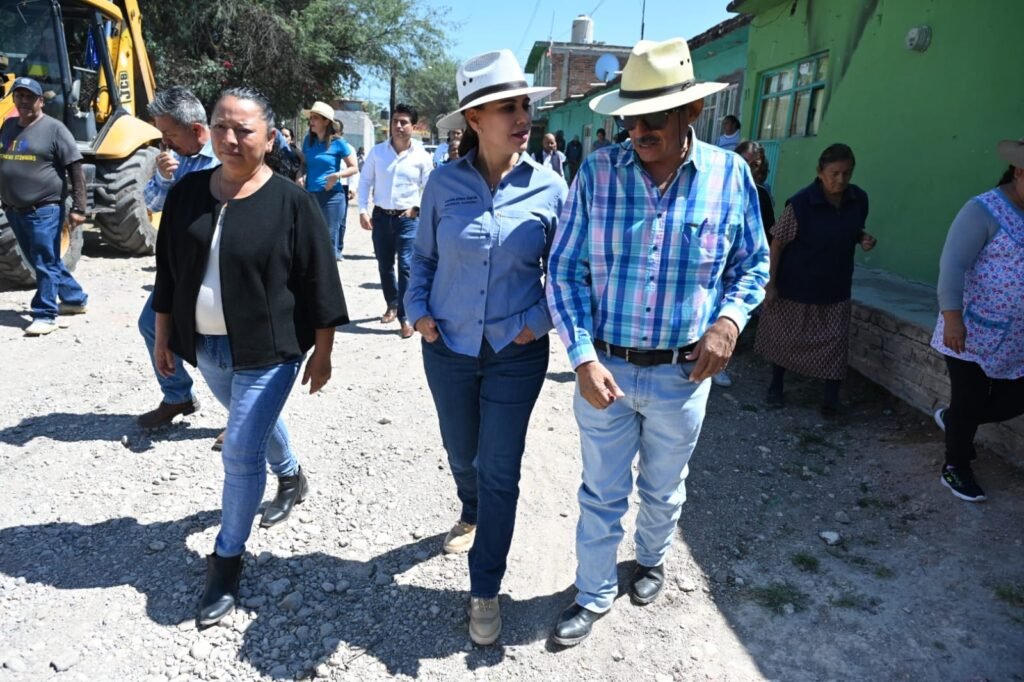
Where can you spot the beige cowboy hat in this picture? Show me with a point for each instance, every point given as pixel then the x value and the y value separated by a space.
pixel 657 77
pixel 489 77
pixel 1012 152
pixel 325 110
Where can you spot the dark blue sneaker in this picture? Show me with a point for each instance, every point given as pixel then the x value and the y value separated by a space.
pixel 960 481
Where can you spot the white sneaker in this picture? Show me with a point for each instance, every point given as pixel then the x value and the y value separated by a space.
pixel 722 379
pixel 72 309
pixel 484 620
pixel 40 327
pixel 460 538
pixel 940 417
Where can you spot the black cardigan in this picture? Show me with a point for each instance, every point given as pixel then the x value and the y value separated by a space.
pixel 278 276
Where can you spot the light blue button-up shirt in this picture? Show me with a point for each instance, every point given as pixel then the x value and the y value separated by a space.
pixel 479 259
pixel 155 191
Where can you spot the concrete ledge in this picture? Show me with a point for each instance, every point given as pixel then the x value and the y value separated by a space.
pixel 892 326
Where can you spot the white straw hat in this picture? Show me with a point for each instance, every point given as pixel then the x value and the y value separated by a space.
pixel 489 77
pixel 657 77
pixel 1012 152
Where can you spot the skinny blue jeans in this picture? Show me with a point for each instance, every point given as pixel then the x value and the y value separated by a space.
pixel 334 206
pixel 176 388
pixel 483 409
pixel 256 434
pixel 660 417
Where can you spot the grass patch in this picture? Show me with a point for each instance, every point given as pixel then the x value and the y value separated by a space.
pixel 1011 594
pixel 855 600
pixel 870 502
pixel 808 440
pixel 871 566
pixel 776 595
pixel 805 562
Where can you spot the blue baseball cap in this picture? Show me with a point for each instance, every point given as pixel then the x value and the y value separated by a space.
pixel 28 84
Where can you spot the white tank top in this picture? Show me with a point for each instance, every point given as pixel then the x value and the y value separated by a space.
pixel 209 304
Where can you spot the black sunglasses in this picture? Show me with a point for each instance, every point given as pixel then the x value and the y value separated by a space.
pixel 656 121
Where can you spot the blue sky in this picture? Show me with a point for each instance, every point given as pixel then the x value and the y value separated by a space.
pixel 485 25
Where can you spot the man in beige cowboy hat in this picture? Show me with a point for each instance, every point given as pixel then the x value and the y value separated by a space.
pixel 658 260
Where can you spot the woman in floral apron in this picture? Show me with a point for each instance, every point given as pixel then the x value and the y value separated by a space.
pixel 981 325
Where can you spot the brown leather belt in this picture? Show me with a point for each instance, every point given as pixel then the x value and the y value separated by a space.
pixel 31 208
pixel 646 357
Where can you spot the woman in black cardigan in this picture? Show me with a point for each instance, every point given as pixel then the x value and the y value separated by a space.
pixel 246 283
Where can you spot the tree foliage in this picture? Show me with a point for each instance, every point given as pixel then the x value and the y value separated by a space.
pixel 430 88
pixel 296 51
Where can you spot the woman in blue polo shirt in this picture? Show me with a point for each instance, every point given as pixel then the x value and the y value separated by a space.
pixel 328 159
pixel 476 294
pixel 805 321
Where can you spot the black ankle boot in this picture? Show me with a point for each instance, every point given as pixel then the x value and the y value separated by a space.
pixel 222 577
pixel 291 490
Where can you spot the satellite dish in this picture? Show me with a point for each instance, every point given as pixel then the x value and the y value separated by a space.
pixel 606 67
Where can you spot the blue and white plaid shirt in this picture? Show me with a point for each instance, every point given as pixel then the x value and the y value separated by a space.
pixel 155 191
pixel 639 270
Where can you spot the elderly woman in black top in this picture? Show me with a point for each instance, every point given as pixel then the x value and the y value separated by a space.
pixel 805 321
pixel 246 284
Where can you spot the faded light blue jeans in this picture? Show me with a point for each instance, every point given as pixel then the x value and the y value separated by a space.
pixel 38 233
pixel 256 434
pixel 176 388
pixel 660 417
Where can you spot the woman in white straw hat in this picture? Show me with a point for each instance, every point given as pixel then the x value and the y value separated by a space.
pixel 327 160
pixel 980 329
pixel 654 270
pixel 476 296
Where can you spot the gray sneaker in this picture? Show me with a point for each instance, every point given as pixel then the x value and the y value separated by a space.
pixel 40 327
pixel 460 538
pixel 72 309
pixel 484 620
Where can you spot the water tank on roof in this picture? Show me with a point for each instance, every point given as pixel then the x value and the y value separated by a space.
pixel 583 29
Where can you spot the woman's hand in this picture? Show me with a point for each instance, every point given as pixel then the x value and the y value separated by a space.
pixel 867 242
pixel 427 328
pixel 318 370
pixel 954 334
pixel 525 336
pixel 163 358
pixel 331 181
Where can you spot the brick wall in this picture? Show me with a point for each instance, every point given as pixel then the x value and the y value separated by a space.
pixel 889 344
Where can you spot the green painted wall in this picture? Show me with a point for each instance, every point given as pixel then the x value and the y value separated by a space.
pixel 721 57
pixel 923 125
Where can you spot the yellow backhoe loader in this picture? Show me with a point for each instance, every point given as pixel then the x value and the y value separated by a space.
pixel 91 60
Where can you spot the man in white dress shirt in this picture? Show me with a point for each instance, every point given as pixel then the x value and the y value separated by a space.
pixel 394 173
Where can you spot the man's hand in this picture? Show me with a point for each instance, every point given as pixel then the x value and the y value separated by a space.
pixel 166 165
pixel 75 219
pixel 301 181
pixel 714 349
pixel 867 242
pixel 954 333
pixel 318 371
pixel 364 222
pixel 427 328
pixel 597 385
pixel 525 336
pixel 331 181
pixel 163 358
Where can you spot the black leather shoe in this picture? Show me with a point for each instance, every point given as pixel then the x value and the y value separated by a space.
pixel 291 490
pixel 574 625
pixel 165 413
pixel 218 600
pixel 646 584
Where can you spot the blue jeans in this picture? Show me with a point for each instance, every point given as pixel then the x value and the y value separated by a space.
pixel 660 416
pixel 483 408
pixel 334 206
pixel 38 235
pixel 256 435
pixel 176 388
pixel 393 236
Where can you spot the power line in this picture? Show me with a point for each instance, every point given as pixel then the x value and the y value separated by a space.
pixel 529 25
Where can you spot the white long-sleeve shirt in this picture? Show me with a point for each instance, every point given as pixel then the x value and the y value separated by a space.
pixel 394 180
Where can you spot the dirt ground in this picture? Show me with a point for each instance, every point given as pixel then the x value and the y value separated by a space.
pixel 103 528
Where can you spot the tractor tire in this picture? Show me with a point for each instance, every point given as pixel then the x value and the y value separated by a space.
pixel 16 271
pixel 119 186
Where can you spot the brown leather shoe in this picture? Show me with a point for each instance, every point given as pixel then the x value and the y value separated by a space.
pixel 165 413
pixel 406 330
pixel 390 315
pixel 218 444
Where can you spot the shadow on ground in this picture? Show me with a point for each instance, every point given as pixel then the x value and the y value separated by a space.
pixel 91 426
pixel 373 617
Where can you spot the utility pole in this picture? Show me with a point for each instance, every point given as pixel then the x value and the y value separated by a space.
pixel 643 16
pixel 394 91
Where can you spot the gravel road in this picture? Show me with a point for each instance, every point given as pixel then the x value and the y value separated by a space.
pixel 807 550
